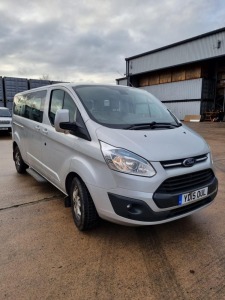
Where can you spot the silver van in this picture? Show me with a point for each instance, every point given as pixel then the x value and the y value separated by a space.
pixel 116 152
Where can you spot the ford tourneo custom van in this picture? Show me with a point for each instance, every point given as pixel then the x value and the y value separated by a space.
pixel 116 152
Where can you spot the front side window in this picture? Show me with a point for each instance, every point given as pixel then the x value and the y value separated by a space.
pixel 56 103
pixel 121 107
pixel 61 100
pixel 69 104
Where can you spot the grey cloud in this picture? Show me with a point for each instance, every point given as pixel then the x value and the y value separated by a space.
pixel 65 38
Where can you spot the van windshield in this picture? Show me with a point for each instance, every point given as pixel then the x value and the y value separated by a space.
pixel 124 107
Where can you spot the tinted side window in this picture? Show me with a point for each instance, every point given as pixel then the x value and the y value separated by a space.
pixel 55 104
pixel 60 99
pixel 34 106
pixel 30 105
pixel 69 104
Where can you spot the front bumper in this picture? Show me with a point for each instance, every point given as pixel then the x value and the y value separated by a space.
pixel 139 210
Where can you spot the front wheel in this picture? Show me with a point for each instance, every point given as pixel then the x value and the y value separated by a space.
pixel 19 163
pixel 84 212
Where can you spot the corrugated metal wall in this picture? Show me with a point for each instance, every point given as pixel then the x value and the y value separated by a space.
pixel 122 81
pixel 181 90
pixel 1 93
pixel 14 85
pixel 181 109
pixel 35 83
pixel 177 93
pixel 195 50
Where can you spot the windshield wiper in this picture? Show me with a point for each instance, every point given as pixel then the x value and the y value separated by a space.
pixel 152 125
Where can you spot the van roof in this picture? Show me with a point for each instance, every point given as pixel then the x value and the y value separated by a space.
pixel 70 84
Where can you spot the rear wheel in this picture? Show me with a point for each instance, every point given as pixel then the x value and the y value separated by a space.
pixel 19 163
pixel 84 212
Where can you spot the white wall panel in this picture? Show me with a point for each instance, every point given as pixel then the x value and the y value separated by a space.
pixel 181 109
pixel 181 90
pixel 122 81
pixel 195 50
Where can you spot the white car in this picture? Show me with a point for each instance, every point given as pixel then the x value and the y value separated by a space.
pixel 5 119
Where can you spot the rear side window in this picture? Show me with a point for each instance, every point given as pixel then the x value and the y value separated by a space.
pixel 30 106
pixel 59 100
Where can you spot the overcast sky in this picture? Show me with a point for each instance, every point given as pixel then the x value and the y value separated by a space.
pixel 88 40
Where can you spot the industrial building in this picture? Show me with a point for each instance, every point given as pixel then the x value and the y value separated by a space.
pixel 188 76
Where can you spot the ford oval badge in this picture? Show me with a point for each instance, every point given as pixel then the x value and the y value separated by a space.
pixel 189 162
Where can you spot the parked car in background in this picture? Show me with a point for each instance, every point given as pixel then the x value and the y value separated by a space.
pixel 5 120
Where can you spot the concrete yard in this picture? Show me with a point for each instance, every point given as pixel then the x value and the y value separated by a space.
pixel 44 256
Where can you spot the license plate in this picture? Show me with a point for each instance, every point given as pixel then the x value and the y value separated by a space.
pixel 3 128
pixel 192 196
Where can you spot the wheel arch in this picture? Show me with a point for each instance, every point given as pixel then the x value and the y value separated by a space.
pixel 69 179
pixel 14 145
pixel 88 215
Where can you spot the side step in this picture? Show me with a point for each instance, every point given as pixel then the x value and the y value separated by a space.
pixel 36 176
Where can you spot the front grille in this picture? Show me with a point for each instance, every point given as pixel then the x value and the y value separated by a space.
pixel 4 122
pixel 178 163
pixel 187 182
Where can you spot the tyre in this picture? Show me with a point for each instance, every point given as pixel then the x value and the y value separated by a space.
pixel 19 163
pixel 84 212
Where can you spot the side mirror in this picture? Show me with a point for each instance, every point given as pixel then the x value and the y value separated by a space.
pixel 62 116
pixel 62 124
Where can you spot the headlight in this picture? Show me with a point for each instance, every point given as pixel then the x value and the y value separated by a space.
pixel 122 160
